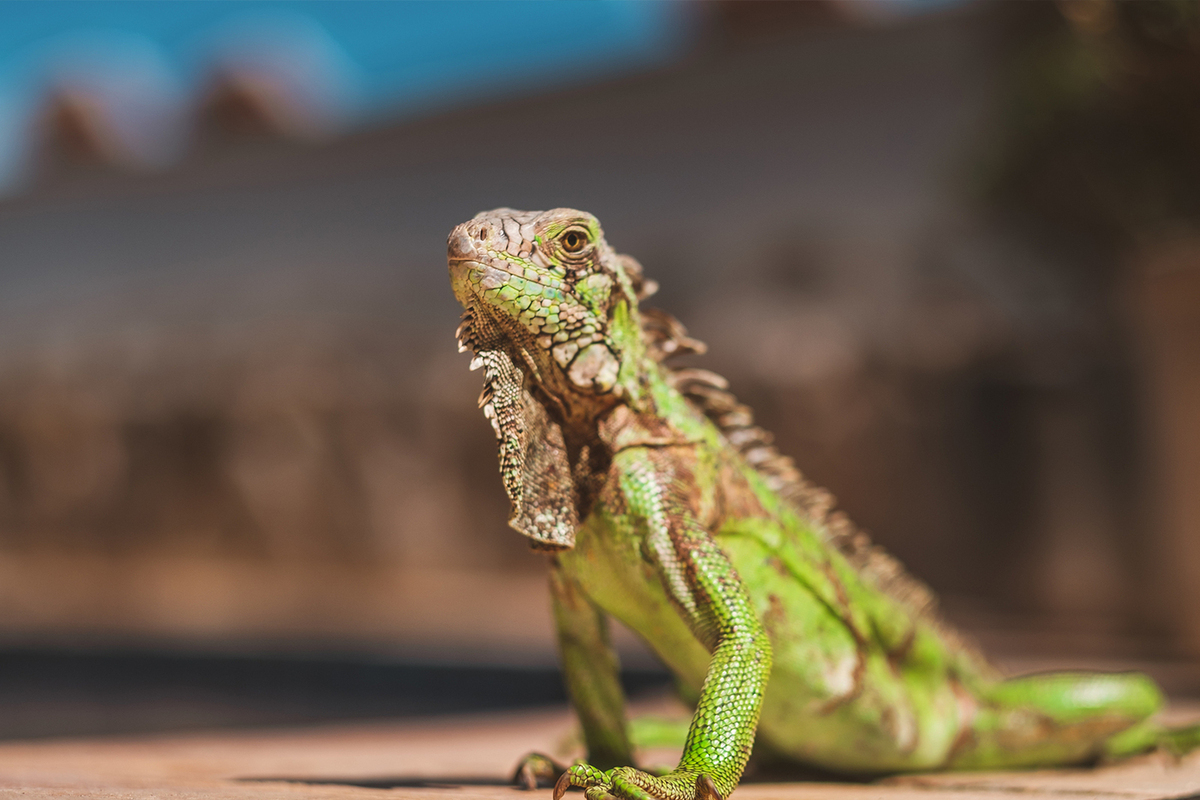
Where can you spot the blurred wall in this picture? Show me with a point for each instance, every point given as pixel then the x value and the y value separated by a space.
pixel 231 406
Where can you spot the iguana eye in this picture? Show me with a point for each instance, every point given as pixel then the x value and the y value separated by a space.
pixel 573 241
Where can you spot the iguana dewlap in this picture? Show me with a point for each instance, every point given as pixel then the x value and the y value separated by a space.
pixel 661 504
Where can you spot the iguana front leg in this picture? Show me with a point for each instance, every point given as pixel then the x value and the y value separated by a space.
pixel 592 674
pixel 591 670
pixel 707 592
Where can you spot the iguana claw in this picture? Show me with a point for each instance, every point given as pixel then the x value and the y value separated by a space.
pixel 535 771
pixel 561 785
pixel 706 789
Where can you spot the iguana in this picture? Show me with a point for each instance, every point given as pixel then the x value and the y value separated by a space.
pixel 662 504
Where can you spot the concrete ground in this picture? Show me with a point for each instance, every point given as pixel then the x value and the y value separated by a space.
pixel 470 758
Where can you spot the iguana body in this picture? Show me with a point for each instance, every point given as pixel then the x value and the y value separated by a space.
pixel 665 507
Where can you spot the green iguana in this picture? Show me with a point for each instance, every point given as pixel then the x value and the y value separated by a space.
pixel 662 504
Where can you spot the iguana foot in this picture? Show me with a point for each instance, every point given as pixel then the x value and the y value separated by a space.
pixel 1181 741
pixel 537 771
pixel 627 783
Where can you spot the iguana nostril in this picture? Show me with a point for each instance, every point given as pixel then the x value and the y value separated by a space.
pixel 459 245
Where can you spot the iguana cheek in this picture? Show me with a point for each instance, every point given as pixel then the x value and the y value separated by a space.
pixel 595 367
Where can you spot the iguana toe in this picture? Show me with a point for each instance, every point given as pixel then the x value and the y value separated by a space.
pixel 625 784
pixel 585 776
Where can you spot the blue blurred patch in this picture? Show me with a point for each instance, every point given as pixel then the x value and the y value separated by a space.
pixel 342 62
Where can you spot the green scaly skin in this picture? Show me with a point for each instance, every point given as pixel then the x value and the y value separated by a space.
pixel 703 540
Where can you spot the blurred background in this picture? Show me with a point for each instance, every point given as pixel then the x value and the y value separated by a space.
pixel 949 251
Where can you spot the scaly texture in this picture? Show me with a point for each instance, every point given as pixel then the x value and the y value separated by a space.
pixel 662 504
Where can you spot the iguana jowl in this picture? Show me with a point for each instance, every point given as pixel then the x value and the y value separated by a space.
pixel 664 506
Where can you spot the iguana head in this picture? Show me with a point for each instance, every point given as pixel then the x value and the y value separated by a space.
pixel 551 314
pixel 549 283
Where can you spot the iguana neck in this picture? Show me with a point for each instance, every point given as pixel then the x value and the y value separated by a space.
pixel 632 406
pixel 658 416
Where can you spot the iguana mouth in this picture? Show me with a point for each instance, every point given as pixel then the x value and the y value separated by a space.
pixel 488 275
pixel 461 271
pixel 461 268
pixel 473 333
pixel 470 278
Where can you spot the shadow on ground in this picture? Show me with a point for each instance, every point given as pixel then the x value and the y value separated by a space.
pixel 54 692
